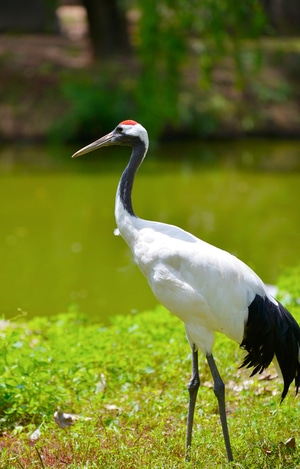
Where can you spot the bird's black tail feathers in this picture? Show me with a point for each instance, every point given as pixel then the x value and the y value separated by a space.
pixel 271 330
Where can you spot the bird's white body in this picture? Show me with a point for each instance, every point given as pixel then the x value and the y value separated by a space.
pixel 207 288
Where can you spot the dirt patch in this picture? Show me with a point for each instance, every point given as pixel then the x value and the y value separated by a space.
pixel 31 67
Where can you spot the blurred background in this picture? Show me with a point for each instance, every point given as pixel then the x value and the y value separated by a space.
pixel 215 83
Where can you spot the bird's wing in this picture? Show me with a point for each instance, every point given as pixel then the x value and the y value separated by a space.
pixel 198 282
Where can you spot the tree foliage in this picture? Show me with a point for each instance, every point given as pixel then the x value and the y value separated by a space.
pixel 170 32
pixel 175 46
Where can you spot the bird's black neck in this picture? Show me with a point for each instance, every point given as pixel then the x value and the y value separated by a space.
pixel 126 182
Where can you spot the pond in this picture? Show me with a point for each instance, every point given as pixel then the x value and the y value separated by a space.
pixel 57 247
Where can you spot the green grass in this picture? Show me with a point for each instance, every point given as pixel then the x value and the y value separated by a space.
pixel 127 382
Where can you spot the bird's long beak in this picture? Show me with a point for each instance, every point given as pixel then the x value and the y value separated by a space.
pixel 101 142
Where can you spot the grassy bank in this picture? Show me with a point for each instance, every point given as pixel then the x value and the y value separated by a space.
pixel 126 384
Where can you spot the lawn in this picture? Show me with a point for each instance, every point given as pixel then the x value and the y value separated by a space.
pixel 126 384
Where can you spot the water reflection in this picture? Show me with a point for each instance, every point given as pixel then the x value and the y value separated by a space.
pixel 56 237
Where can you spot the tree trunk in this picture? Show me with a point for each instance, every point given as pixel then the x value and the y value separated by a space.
pixel 30 16
pixel 107 27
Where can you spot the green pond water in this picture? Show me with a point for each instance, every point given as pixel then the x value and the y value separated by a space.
pixel 57 248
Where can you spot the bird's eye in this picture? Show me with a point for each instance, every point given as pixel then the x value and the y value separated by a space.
pixel 119 129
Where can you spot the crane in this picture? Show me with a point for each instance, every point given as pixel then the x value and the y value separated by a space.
pixel 209 289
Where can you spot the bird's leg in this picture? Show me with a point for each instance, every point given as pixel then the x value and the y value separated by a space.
pixel 193 390
pixel 219 390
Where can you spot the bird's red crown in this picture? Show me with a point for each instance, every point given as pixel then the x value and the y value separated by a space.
pixel 128 122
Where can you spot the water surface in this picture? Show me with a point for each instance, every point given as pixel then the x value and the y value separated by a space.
pixel 57 247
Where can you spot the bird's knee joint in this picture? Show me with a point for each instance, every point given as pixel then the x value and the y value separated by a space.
pixel 219 388
pixel 194 384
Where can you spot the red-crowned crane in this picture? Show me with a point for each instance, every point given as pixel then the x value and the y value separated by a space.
pixel 206 287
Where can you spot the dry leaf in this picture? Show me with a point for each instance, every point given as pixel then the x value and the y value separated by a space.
pixel 111 407
pixel 64 420
pixel 35 436
pixel 267 450
pixel 267 376
pixel 290 443
pixel 101 385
